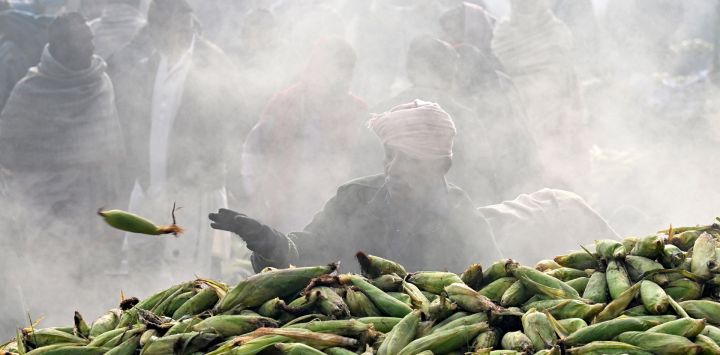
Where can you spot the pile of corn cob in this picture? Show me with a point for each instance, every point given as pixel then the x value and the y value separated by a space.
pixel 651 295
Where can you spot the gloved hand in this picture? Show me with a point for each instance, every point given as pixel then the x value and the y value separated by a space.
pixel 258 237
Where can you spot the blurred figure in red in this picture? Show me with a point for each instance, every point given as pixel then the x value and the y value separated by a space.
pixel 305 140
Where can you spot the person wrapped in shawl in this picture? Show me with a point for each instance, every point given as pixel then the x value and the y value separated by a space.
pixel 61 148
pixel 409 214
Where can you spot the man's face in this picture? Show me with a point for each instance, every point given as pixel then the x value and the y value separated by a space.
pixel 169 33
pixel 409 179
pixel 75 50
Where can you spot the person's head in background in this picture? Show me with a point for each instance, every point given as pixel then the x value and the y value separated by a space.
pixel 70 41
pixel 329 71
pixel 431 63
pixel 258 30
pixel 171 26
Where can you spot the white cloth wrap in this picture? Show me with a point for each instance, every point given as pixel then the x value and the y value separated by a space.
pixel 421 129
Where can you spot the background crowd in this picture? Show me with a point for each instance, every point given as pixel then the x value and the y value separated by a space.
pixel 262 105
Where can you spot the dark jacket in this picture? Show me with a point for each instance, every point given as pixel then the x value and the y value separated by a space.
pixel 359 218
pixel 210 102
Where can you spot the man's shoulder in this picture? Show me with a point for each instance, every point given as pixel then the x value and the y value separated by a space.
pixel 366 183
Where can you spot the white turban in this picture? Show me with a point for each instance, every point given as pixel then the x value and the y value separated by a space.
pixel 421 129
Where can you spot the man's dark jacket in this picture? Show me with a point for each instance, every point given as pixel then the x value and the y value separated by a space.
pixel 360 218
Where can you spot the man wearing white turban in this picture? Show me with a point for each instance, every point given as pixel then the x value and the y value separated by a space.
pixel 409 214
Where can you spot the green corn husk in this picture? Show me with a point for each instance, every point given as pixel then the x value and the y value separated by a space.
pixel 629 243
pixel 259 288
pixel 579 284
pixel 339 351
pixel 66 349
pixel 636 311
pixel 330 303
pixel 609 249
pixel 580 260
pixel 563 309
pixel 381 324
pixel 704 256
pixel 708 310
pixel 685 240
pixel 473 276
pixel 650 247
pixel 186 343
pixel 128 347
pixel 684 290
pixel 684 327
pixel 672 256
pixel 344 327
pixel 359 304
pixel 653 297
pixel 515 295
pixel 543 283
pixel 201 302
pixel 445 341
pixel 608 348
pixel 572 325
pixel 469 299
pixel 401 335
pixel 617 279
pixel 538 328
pixel 297 349
pixel 178 301
pixel 596 288
pixel 711 332
pixel 229 325
pixel 662 344
pixel 547 264
pixel 105 322
pixel 384 302
pixel 517 341
pixel 495 290
pixel 462 321
pixel 498 269
pixel 617 306
pixel 637 266
pixel 374 266
pixel 388 283
pixel 272 308
pixel 417 298
pixel 402 297
pixel 566 274
pixel 657 320
pixel 441 308
pixel 424 328
pixel 605 331
pixel 433 281
pixel 183 326
pixel 48 336
pixel 81 328
pixel 707 345
pixel 487 339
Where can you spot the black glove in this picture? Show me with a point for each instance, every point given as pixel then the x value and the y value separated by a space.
pixel 258 237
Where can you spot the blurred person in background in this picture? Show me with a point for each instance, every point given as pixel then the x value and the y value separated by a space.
pixel 409 214
pixel 179 102
pixel 117 26
pixel 468 24
pixel 431 69
pixel 62 149
pixel 481 86
pixel 310 137
pixel 22 39
pixel 536 50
